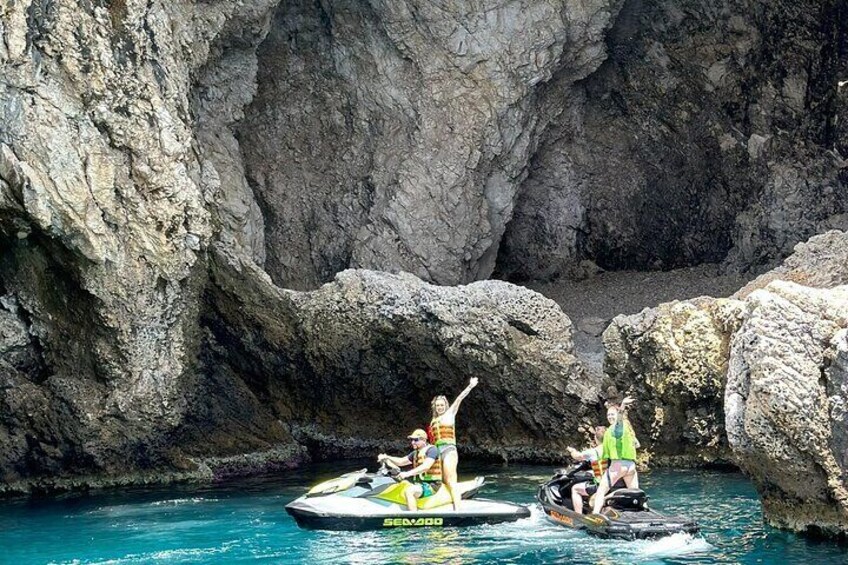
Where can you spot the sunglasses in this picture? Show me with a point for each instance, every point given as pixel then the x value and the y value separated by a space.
pixel 415 439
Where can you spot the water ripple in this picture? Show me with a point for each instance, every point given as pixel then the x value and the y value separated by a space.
pixel 245 522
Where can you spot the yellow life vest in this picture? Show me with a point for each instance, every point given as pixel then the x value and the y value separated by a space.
pixel 443 434
pixel 434 473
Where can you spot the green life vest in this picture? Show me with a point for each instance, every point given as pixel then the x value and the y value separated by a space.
pixel 623 447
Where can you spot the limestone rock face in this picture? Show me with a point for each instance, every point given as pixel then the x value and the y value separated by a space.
pixel 362 357
pixel 103 216
pixel 407 128
pixel 821 262
pixel 673 359
pixel 758 379
pixel 155 156
pixel 120 164
pixel 713 130
pixel 786 401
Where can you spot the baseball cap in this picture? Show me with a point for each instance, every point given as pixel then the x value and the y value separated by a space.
pixel 417 434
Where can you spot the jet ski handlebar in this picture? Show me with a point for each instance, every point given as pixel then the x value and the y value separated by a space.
pixel 389 469
pixel 573 469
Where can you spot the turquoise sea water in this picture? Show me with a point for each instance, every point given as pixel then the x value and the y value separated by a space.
pixel 245 522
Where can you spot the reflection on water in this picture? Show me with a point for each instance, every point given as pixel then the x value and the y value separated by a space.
pixel 245 522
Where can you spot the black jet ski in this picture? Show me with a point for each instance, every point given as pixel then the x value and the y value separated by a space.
pixel 625 515
pixel 375 501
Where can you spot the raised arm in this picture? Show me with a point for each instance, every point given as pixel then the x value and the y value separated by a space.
pixel 576 455
pixel 455 404
pixel 622 415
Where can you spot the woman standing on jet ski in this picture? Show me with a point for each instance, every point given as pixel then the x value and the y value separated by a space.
pixel 443 432
pixel 619 448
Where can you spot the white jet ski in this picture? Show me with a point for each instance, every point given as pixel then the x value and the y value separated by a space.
pixel 375 501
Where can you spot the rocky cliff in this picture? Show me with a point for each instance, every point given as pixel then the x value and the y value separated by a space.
pixel 408 128
pixel 361 358
pixel 756 379
pixel 785 403
pixel 710 133
pixel 173 175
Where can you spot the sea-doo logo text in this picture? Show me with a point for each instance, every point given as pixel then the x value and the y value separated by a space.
pixel 561 518
pixel 411 522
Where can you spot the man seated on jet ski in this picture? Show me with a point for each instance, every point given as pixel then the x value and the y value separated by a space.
pixel 426 473
pixel 593 456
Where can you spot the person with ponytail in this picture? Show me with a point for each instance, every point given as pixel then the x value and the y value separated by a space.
pixel 443 434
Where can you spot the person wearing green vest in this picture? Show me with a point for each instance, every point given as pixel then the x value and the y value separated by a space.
pixel 619 448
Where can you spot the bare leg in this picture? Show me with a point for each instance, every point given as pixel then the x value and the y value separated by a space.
pixel 577 492
pixel 631 479
pixel 449 462
pixel 603 489
pixel 411 494
pixel 610 478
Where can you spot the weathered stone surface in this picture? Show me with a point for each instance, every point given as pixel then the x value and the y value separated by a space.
pixel 102 216
pixel 821 262
pixel 361 357
pixel 407 127
pixel 16 345
pixel 786 400
pixel 673 359
pixel 712 130
pixel 223 87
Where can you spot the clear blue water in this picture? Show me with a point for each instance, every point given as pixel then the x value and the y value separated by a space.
pixel 245 521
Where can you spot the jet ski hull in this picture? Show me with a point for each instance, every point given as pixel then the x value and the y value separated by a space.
pixel 474 513
pixel 621 525
pixel 630 523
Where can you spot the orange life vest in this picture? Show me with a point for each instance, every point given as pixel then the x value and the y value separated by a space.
pixel 599 465
pixel 434 473
pixel 443 434
pixel 598 468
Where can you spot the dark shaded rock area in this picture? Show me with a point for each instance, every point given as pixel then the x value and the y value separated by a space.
pixel 712 132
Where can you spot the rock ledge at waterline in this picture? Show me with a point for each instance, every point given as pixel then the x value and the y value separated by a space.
pixel 757 379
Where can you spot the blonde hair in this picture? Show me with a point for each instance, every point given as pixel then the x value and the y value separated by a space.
pixel 435 400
